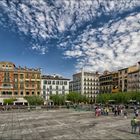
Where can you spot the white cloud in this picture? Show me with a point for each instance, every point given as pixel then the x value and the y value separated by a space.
pixel 107 45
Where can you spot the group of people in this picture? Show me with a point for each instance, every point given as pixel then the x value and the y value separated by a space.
pixel 117 110
pixel 101 111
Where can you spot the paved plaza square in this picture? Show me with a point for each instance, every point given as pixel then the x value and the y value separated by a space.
pixel 63 124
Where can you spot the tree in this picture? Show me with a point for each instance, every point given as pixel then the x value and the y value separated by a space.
pixel 9 101
pixel 118 97
pixel 58 99
pixel 76 97
pixel 34 100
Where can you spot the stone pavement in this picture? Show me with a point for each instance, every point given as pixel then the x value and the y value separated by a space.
pixel 63 124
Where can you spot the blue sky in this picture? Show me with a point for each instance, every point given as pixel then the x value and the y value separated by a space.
pixel 15 49
pixel 64 36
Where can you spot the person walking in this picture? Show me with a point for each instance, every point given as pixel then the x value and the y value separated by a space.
pixel 133 125
pixel 138 125
pixel 125 113
pixel 115 111
pixel 137 113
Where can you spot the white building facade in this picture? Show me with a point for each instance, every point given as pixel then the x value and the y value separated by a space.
pixel 85 83
pixel 51 85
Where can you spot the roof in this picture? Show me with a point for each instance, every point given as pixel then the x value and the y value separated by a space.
pixel 53 77
pixel 136 71
pixel 123 69
pixel 85 72
pixel 28 69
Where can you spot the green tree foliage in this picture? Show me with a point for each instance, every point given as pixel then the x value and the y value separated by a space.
pixel 58 99
pixel 122 97
pixel 34 100
pixel 73 97
pixel 9 101
pixel 76 97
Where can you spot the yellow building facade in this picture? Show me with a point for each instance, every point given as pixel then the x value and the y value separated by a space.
pixel 18 81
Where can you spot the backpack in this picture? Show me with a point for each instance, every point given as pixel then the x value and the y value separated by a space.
pixel 133 122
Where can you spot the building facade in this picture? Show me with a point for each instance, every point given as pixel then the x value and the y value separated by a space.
pixel 18 81
pixel 52 85
pixel 108 82
pixel 134 78
pixel 123 75
pixel 105 81
pixel 86 83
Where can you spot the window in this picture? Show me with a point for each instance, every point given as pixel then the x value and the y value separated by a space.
pixel 61 82
pixel 49 82
pixel 50 87
pixel 21 86
pixel 15 93
pixel 15 85
pixel 45 82
pixel 53 82
pixel 33 93
pixel 44 93
pixel 38 93
pixel 27 75
pixel 21 93
pixel 38 75
pixel 3 92
pixel 65 82
pixel 56 87
pixel 33 76
pixel 125 71
pixel 44 87
pixel 27 93
pixel 57 92
pixel 21 76
pixel 63 87
pixel 57 82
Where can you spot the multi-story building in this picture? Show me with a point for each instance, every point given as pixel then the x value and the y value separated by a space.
pixel 54 85
pixel 86 83
pixel 71 86
pixel 18 81
pixel 105 81
pixel 134 78
pixel 115 80
pixel 108 82
pixel 123 75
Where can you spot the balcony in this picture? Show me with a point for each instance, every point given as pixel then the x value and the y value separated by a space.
pixel 30 87
pixel 6 87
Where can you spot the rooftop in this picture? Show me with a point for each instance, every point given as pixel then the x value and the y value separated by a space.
pixel 53 77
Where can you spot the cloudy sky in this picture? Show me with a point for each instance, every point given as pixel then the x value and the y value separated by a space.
pixel 63 36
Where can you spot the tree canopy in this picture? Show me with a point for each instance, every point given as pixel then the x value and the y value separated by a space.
pixel 122 97
pixel 34 100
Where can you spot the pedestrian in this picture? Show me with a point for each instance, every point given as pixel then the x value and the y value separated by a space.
pixel 133 125
pixel 96 111
pixel 115 111
pixel 137 113
pixel 138 125
pixel 113 108
pixel 125 113
pixel 121 109
pixel 107 111
pixel 118 110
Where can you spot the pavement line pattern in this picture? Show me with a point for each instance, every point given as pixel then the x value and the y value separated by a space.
pixel 63 124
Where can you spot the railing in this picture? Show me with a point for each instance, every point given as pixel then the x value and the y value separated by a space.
pixel 6 87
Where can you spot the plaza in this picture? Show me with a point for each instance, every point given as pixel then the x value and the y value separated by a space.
pixel 63 124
